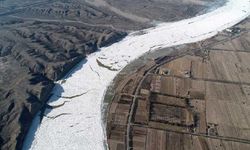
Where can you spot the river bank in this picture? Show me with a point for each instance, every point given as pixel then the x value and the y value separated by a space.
pixel 186 98
pixel 81 117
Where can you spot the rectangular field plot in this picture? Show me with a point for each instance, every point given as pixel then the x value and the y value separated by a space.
pixel 171 114
pixel 228 66
pixel 228 109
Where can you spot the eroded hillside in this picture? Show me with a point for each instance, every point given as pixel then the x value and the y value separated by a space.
pixel 40 41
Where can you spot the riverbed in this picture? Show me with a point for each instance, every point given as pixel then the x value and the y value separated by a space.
pixel 78 124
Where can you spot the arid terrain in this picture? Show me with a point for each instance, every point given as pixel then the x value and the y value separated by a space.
pixel 196 97
pixel 41 41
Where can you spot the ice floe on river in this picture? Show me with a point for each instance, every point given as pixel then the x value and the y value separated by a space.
pixel 79 126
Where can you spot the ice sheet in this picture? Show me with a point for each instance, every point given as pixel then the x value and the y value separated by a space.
pixel 81 126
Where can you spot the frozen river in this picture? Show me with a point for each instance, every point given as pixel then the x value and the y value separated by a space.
pixel 80 123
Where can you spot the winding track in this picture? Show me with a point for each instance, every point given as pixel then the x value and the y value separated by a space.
pixel 82 129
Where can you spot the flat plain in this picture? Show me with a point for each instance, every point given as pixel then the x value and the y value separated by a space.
pixel 194 99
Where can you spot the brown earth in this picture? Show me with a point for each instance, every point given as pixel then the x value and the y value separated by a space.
pixel 196 97
pixel 40 41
